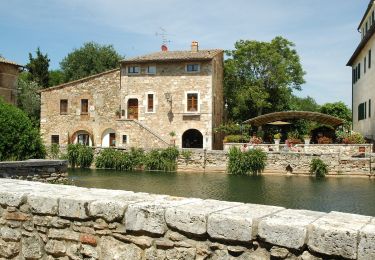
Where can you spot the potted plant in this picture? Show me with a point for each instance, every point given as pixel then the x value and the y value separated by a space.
pixel 307 139
pixel 131 113
pixel 172 134
pixel 277 138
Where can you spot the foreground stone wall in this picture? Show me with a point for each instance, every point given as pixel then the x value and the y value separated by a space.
pixel 35 170
pixel 44 221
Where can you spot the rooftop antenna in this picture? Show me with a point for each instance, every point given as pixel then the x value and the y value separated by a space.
pixel 164 36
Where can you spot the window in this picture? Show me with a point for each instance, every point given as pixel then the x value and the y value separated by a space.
pixel 151 70
pixel 362 111
pixel 83 139
pixel 55 139
pixel 124 139
pixel 192 102
pixel 366 27
pixel 134 70
pixel 84 106
pixel 63 106
pixel 373 17
pixel 192 68
pixel 359 71
pixel 369 59
pixel 112 139
pixel 369 108
pixel 364 65
pixel 150 102
pixel 353 76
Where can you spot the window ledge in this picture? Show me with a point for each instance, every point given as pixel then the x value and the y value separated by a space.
pixel 195 113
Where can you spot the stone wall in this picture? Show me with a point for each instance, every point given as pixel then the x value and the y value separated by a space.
pixel 44 221
pixel 277 162
pixel 35 170
pixel 8 81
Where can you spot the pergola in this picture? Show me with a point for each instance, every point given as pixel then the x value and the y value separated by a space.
pixel 292 115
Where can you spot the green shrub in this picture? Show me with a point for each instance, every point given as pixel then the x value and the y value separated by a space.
pixel 354 138
pixel 19 139
pixel 54 151
pixel 161 159
pixel 120 160
pixel 80 155
pixel 318 168
pixel 236 139
pixel 186 154
pixel 245 163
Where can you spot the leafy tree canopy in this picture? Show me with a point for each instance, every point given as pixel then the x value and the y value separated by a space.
pixel 19 139
pixel 28 99
pixel 88 60
pixel 303 104
pixel 338 109
pixel 56 77
pixel 38 68
pixel 260 77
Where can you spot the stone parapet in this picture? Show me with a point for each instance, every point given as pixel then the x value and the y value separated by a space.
pixel 35 170
pixel 45 221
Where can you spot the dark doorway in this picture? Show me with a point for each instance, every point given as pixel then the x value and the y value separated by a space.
pixel 133 108
pixel 192 138
pixel 112 139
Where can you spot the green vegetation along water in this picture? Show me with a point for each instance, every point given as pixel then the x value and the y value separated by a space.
pixel 345 194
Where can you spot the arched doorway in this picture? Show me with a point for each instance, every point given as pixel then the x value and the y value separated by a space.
pixel 109 138
pixel 133 108
pixel 192 138
pixel 82 137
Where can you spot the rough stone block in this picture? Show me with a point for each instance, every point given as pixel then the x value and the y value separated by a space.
pixel 55 247
pixel 63 234
pixel 43 204
pixel 287 228
pixel 9 249
pixel 192 218
pixel 366 247
pixel 9 234
pixel 238 223
pixel 13 199
pixel 337 234
pixel 149 215
pixel 114 249
pixel 107 209
pixel 74 207
pixel 32 247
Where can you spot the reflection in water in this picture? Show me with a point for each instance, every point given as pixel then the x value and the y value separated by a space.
pixel 353 195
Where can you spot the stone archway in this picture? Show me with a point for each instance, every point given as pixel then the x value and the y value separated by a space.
pixel 82 137
pixel 192 138
pixel 109 138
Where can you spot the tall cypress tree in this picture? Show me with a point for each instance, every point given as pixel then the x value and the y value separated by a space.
pixel 38 68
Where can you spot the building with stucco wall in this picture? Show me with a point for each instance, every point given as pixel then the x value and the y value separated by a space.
pixel 9 72
pixel 363 76
pixel 141 103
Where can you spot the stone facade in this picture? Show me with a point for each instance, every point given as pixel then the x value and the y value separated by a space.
pixel 44 221
pixel 55 171
pixel 8 80
pixel 141 109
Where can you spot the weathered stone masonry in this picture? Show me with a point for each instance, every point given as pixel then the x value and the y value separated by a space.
pixel 44 221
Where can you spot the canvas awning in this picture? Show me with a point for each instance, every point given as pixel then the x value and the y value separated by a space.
pixel 293 115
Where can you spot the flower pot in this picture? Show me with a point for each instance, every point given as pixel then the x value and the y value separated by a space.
pixel 277 141
pixel 307 140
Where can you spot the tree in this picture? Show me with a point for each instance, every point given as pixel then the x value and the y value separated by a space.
pixel 260 77
pixel 338 109
pixel 303 104
pixel 28 99
pixel 38 68
pixel 19 139
pixel 56 77
pixel 88 60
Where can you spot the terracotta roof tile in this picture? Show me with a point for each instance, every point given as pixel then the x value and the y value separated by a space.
pixel 3 60
pixel 175 56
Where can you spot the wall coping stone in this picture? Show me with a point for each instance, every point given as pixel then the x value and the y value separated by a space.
pixel 335 234
pixel 32 163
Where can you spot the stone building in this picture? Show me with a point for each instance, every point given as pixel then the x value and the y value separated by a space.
pixel 363 76
pixel 9 72
pixel 141 103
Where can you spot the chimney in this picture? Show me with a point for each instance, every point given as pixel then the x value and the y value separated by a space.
pixel 164 47
pixel 194 46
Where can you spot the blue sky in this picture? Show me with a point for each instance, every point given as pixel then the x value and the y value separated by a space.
pixel 324 31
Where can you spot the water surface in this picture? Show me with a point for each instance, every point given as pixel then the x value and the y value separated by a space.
pixel 345 194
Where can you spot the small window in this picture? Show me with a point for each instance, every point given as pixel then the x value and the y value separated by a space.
pixel 150 102
pixel 124 139
pixel 84 106
pixel 192 67
pixel 112 139
pixel 83 139
pixel 362 111
pixel 151 70
pixel 369 108
pixel 359 71
pixel 134 70
pixel 63 106
pixel 366 27
pixel 192 102
pixel 369 59
pixel 373 17
pixel 55 139
pixel 364 65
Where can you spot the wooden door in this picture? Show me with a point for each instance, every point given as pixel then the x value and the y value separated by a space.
pixel 133 108
pixel 112 139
